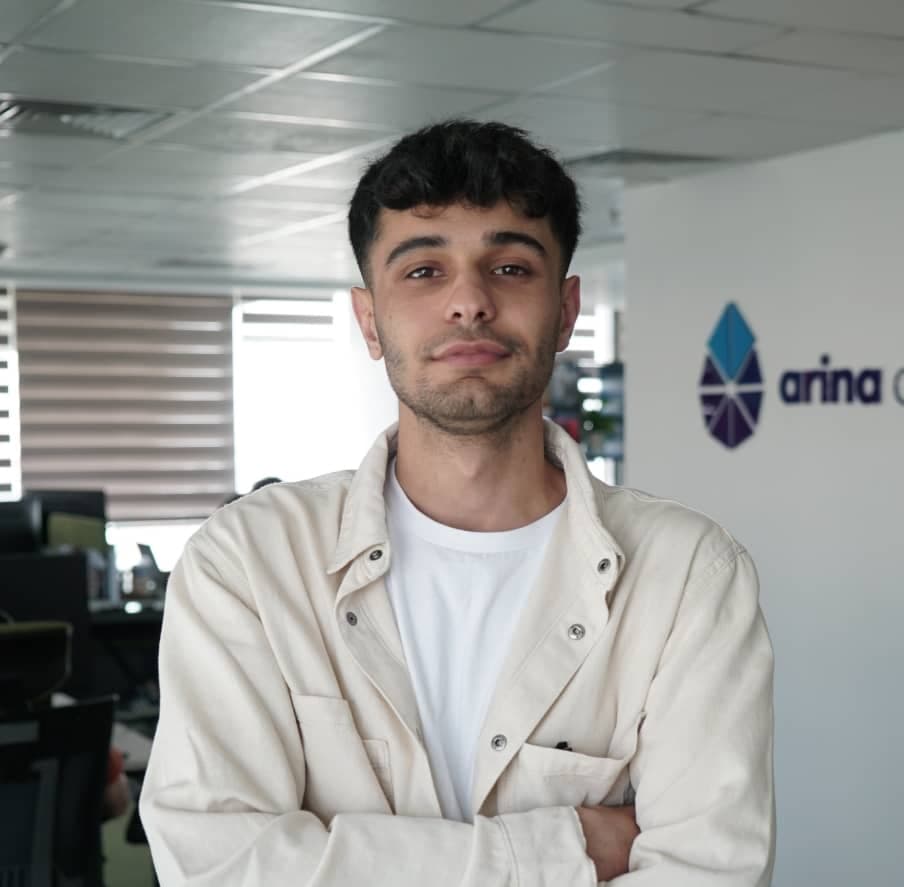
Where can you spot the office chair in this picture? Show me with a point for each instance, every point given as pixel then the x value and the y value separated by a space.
pixel 35 660
pixel 53 764
pixel 20 526
pixel 55 587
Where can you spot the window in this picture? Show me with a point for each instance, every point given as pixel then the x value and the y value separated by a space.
pixel 131 394
pixel 308 399
pixel 10 467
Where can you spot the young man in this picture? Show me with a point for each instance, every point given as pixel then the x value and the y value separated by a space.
pixel 469 662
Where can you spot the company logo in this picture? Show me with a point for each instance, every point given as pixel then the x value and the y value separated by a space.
pixel 731 386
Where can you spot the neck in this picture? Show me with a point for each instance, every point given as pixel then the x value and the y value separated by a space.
pixel 483 483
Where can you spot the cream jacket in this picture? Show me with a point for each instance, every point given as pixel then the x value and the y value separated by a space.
pixel 289 750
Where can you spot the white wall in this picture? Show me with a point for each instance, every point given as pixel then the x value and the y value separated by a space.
pixel 811 249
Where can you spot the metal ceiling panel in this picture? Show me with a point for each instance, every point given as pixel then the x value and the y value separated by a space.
pixel 270 214
pixel 74 77
pixel 466 59
pixel 658 4
pixel 229 134
pixel 573 126
pixel 174 29
pixel 633 26
pixel 51 151
pixel 53 227
pixel 388 105
pixel 883 17
pixel 105 180
pixel 166 235
pixel 92 201
pixel 750 137
pixel 91 258
pixel 299 195
pixel 222 193
pixel 461 12
pixel 870 102
pixel 710 83
pixel 870 55
pixel 17 176
pixel 19 14
pixel 178 160
pixel 341 177
pixel 241 224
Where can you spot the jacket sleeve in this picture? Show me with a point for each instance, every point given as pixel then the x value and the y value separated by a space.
pixel 222 798
pixel 703 770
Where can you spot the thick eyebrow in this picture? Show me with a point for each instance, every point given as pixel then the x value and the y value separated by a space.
pixel 503 238
pixel 413 243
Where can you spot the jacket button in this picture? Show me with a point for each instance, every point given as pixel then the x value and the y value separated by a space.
pixel 576 632
pixel 604 565
pixel 499 742
pixel 351 618
pixel 376 554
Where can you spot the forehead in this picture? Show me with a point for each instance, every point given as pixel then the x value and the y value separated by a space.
pixel 457 223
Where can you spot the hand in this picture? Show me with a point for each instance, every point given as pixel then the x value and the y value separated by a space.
pixel 609 832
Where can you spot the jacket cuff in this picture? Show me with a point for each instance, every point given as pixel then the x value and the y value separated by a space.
pixel 548 848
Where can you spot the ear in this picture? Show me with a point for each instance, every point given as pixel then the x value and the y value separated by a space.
pixel 570 307
pixel 363 304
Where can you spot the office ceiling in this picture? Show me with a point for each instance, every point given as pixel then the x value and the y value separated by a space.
pixel 216 140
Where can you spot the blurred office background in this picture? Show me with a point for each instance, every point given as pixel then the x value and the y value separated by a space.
pixel 175 322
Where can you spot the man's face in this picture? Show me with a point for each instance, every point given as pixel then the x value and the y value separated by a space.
pixel 468 307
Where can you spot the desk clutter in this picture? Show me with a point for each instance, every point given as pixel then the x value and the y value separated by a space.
pixel 56 566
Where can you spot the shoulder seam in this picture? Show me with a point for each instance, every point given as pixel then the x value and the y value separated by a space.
pixel 721 562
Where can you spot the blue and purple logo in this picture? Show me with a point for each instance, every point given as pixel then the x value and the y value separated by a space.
pixel 731 386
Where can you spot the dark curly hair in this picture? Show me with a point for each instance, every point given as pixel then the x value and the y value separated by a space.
pixel 465 161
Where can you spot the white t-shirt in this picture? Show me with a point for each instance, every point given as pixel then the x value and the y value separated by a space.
pixel 457 596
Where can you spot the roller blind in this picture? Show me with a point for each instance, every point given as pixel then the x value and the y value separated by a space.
pixel 129 393
pixel 10 469
pixel 290 398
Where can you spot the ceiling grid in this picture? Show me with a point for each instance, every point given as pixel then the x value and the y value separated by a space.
pixel 259 115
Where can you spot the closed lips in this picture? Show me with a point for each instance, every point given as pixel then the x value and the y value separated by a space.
pixel 472 349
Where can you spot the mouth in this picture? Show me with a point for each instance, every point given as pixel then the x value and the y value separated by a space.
pixel 471 354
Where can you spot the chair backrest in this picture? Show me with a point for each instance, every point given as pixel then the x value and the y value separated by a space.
pixel 34 661
pixel 53 766
pixel 20 525
pixel 41 587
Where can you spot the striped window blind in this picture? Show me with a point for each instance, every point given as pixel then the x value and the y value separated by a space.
pixel 583 340
pixel 287 320
pixel 129 393
pixel 10 467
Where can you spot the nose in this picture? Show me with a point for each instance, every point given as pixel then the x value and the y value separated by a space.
pixel 470 302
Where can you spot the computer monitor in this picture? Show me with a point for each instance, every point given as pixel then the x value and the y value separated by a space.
pixel 86 503
pixel 20 526
pixel 53 587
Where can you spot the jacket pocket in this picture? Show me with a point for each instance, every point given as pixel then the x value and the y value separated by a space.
pixel 549 777
pixel 343 772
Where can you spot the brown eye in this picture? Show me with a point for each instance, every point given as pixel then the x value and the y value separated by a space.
pixel 510 271
pixel 424 273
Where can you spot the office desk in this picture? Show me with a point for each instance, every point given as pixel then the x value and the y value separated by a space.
pixel 126 639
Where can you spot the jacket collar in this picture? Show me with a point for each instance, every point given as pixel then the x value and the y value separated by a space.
pixel 363 523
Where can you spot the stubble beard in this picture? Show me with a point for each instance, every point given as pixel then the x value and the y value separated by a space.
pixel 472 406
